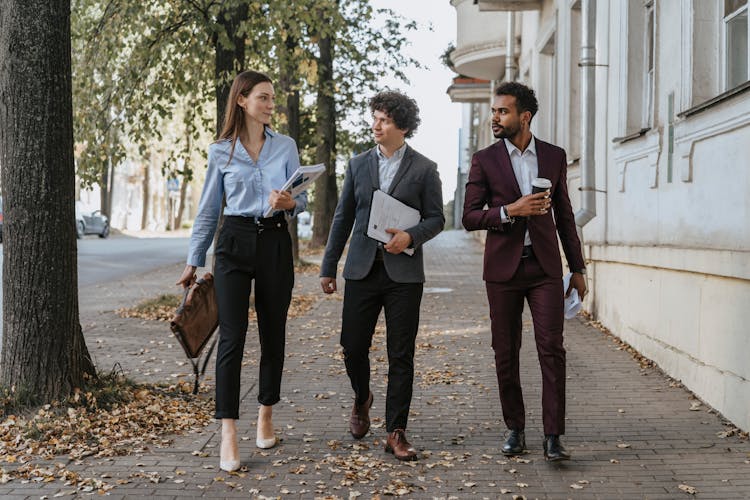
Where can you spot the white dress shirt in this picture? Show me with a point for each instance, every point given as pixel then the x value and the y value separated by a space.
pixel 526 168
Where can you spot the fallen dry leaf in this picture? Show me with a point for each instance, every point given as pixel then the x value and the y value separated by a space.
pixel 115 418
pixel 688 489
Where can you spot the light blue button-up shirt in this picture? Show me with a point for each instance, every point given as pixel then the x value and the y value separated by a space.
pixel 387 167
pixel 245 183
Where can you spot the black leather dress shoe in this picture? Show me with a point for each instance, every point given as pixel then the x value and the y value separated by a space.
pixel 515 444
pixel 554 450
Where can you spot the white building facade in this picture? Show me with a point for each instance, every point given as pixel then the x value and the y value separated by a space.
pixel 668 251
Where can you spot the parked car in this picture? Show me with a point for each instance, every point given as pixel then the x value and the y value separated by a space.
pixel 90 222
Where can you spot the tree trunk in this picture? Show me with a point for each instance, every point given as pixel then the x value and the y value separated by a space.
pixel 104 190
pixel 289 86
pixel 181 206
pixel 228 59
pixel 185 177
pixel 146 193
pixel 108 178
pixel 44 355
pixel 326 192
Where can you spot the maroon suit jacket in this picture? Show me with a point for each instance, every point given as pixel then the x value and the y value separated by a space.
pixel 493 183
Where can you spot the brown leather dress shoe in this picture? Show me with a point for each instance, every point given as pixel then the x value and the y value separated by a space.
pixel 399 446
pixel 359 422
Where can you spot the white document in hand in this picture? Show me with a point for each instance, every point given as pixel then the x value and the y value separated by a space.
pixel 572 302
pixel 386 212
pixel 300 181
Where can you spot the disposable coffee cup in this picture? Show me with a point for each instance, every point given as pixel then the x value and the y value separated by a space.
pixel 540 184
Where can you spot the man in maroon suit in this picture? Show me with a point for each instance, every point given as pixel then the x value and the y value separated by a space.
pixel 522 258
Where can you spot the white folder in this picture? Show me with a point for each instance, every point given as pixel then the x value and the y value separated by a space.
pixel 386 212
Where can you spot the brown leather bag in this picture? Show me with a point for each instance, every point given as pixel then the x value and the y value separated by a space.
pixel 195 321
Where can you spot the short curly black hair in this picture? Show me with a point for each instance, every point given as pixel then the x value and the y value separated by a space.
pixel 525 96
pixel 402 109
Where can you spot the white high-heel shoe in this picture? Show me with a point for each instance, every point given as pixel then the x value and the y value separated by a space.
pixel 261 442
pixel 229 465
pixel 266 443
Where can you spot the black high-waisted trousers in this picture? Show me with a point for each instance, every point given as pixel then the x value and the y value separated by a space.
pixel 247 251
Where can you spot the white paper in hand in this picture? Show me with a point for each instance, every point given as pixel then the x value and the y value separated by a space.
pixel 386 212
pixel 300 180
pixel 573 301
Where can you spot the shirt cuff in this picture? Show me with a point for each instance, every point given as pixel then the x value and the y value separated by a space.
pixel 504 217
pixel 194 259
pixel 298 208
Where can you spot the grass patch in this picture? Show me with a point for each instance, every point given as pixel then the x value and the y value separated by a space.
pixel 162 307
pixel 304 267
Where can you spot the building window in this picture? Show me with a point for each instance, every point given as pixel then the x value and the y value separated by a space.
pixel 735 28
pixel 547 91
pixel 648 66
pixel 638 104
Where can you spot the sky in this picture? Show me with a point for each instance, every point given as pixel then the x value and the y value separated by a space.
pixel 437 136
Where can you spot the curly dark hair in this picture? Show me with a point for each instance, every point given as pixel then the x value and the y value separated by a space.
pixel 525 96
pixel 402 109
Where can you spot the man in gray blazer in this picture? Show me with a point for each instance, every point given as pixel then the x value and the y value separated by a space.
pixel 381 276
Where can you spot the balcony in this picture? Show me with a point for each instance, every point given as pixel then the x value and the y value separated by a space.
pixel 508 5
pixel 480 41
pixel 470 90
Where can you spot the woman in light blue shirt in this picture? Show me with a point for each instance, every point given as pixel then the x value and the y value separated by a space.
pixel 247 166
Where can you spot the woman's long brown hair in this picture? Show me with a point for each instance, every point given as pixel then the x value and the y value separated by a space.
pixel 234 118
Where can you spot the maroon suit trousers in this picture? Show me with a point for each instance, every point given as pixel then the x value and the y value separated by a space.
pixel 545 296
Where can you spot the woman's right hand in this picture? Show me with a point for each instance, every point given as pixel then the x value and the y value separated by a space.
pixel 187 277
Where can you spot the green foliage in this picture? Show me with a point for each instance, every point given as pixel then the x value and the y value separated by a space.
pixel 445 57
pixel 138 65
pixel 144 72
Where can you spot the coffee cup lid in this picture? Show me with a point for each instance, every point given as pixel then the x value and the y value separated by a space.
pixel 541 182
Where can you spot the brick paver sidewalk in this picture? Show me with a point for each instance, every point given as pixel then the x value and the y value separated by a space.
pixel 633 432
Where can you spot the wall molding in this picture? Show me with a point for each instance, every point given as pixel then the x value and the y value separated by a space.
pixel 724 263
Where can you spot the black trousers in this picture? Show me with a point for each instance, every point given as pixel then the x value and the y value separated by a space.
pixel 243 254
pixel 363 301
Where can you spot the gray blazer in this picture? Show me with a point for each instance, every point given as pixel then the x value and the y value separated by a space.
pixel 416 184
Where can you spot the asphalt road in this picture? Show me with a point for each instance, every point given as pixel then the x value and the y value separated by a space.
pixel 101 260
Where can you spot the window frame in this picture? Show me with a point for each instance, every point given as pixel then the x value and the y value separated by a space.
pixel 649 56
pixel 725 20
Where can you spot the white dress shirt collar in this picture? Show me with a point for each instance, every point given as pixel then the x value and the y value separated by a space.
pixel 512 147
